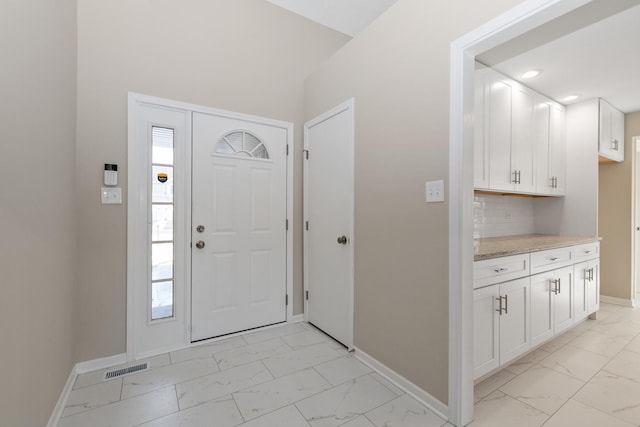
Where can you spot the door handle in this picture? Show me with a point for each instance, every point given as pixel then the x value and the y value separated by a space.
pixel 200 229
pixel 342 240
pixel 199 244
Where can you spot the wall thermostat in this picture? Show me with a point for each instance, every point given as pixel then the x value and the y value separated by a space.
pixel 110 174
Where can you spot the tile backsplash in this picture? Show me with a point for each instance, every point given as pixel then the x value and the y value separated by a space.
pixel 495 216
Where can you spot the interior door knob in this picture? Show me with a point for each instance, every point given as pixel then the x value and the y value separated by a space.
pixel 342 240
pixel 199 244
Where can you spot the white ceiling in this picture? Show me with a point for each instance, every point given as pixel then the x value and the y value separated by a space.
pixel 599 60
pixel 346 16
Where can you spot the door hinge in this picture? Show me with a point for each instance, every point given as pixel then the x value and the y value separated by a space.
pixel 286 299
pixel 287 224
pixel 306 295
pixel 307 225
pixel 306 153
pixel 287 149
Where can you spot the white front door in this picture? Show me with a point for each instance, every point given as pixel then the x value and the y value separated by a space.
pixel 239 242
pixel 329 210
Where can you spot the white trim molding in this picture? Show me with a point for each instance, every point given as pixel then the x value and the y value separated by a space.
pixel 102 363
pixel 617 301
pixel 404 384
pixel 515 22
pixel 54 419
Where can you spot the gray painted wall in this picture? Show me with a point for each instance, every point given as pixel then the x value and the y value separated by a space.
pixel 398 71
pixel 37 205
pixel 247 56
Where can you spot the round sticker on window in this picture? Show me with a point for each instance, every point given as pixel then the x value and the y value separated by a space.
pixel 162 177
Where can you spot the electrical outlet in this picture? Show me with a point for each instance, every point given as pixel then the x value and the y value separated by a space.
pixel 435 191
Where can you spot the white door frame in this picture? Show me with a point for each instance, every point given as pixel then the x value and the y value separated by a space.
pixel 519 20
pixel 348 105
pixel 137 240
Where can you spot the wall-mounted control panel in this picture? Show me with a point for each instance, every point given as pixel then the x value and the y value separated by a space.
pixel 110 174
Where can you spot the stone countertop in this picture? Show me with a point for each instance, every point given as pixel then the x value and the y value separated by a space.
pixel 493 247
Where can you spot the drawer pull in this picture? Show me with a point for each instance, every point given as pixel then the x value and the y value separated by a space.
pixel 587 252
pixel 500 270
pixel 553 258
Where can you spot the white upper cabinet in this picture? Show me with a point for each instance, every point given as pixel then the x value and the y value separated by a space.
pixel 519 138
pixel 522 141
pixel 550 147
pixel 499 93
pixel 611 143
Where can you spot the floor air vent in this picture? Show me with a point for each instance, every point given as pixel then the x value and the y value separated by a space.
pixel 125 371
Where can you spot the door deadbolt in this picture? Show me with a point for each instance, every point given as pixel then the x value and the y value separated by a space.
pixel 200 228
pixel 199 244
pixel 342 240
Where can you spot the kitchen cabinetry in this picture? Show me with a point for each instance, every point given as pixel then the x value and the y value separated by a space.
pixel 521 301
pixel 611 135
pixel 501 328
pixel 519 138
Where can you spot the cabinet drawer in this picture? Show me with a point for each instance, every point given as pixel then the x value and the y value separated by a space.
pixel 550 259
pixel 585 252
pixel 496 270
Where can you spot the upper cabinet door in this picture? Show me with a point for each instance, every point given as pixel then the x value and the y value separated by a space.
pixel 522 140
pixel 557 146
pixel 499 94
pixel 611 144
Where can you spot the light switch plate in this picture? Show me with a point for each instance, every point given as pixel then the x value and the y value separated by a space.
pixel 111 196
pixel 435 191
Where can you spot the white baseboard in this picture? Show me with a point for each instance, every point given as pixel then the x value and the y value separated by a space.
pixel 62 400
pixel 617 301
pixel 297 318
pixel 102 363
pixel 410 388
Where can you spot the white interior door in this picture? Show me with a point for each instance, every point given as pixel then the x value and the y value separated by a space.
pixel 329 213
pixel 239 206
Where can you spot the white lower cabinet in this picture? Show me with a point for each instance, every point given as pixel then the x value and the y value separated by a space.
pixel 501 325
pixel 514 316
pixel 587 288
pixel 551 303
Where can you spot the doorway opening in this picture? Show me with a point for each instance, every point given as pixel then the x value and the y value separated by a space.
pixel 528 17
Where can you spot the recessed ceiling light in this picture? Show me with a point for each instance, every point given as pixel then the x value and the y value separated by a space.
pixel 570 98
pixel 531 74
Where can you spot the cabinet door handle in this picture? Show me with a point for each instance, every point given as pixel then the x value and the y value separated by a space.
pixel 555 286
pixel 559 286
pixel 516 177
pixel 506 304
pixel 614 144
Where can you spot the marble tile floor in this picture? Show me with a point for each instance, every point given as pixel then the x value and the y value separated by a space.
pixel 294 375
pixel 286 376
pixel 587 377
